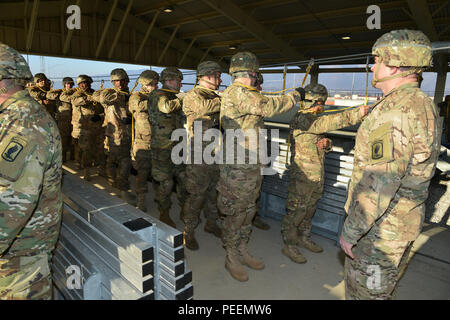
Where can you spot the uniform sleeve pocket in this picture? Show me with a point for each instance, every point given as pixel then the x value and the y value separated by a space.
pixel 381 146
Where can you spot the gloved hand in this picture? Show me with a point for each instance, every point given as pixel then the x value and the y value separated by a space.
pixel 302 93
pixel 96 118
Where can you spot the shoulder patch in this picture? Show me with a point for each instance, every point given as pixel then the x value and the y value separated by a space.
pixel 13 150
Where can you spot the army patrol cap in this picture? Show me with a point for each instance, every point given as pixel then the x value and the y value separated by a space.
pixel 13 65
pixel 148 77
pixel 316 92
pixel 67 80
pixel 39 76
pixel 244 61
pixel 118 74
pixel 84 78
pixel 170 73
pixel 207 68
pixel 404 48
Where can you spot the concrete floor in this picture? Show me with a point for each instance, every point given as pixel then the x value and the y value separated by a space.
pixel 321 278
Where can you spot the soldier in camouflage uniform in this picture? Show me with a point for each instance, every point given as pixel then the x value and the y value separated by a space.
pixel 89 124
pixel 118 121
pixel 30 185
pixel 165 116
pixel 306 172
pixel 258 222
pixel 64 114
pixel 140 151
pixel 244 108
pixel 202 106
pixel 396 152
pixel 39 93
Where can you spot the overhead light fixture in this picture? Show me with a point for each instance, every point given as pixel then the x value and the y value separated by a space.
pixel 232 47
pixel 345 37
pixel 168 9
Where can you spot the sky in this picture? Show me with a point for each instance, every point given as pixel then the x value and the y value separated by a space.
pixel 57 68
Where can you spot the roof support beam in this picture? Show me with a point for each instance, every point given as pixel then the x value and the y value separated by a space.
pixel 186 51
pixel 422 17
pixel 147 34
pixel 241 18
pixel 204 56
pixel 168 43
pixel 32 25
pixel 119 32
pixel 105 30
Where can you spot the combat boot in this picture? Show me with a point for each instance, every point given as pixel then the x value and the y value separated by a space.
pixel 307 243
pixel 128 197
pixel 247 259
pixel 165 217
pixel 260 224
pixel 87 175
pixel 212 227
pixel 141 205
pixel 292 253
pixel 189 240
pixel 234 266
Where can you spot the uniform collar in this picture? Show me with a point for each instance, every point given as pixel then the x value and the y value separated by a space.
pixel 16 96
pixel 404 86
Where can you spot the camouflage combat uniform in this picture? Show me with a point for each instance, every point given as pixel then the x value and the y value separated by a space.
pixel 202 106
pixel 395 158
pixel 140 151
pixel 239 184
pixel 306 172
pixel 89 126
pixel 118 135
pixel 165 116
pixel 63 117
pixel 30 192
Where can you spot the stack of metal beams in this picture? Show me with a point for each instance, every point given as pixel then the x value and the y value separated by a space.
pixel 330 214
pixel 117 251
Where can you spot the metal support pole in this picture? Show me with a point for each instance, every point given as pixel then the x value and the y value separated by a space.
pixel 284 78
pixel 105 30
pixel 168 43
pixel 441 66
pixel 118 33
pixel 186 51
pixel 147 34
pixel 34 14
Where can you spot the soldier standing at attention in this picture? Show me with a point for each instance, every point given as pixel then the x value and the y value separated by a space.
pixel 118 132
pixel 396 152
pixel 140 151
pixel 306 172
pixel 165 116
pixel 201 105
pixel 244 108
pixel 258 222
pixel 64 114
pixel 39 93
pixel 30 185
pixel 89 123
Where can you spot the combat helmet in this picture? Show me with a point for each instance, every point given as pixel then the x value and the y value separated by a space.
pixel 84 78
pixel 316 92
pixel 403 48
pixel 207 68
pixel 170 73
pixel 67 80
pixel 244 61
pixel 39 76
pixel 118 74
pixel 13 65
pixel 148 77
